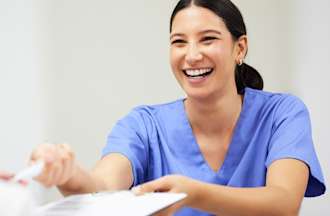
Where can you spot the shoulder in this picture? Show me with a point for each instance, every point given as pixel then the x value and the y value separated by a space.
pixel 157 110
pixel 279 102
pixel 154 114
pixel 279 107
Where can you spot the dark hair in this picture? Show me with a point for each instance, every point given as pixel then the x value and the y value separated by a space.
pixel 245 75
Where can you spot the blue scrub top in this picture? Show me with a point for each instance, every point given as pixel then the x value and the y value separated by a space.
pixel 158 140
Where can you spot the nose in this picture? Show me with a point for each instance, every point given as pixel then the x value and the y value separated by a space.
pixel 193 55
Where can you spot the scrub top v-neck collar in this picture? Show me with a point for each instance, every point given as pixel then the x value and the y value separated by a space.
pixel 235 149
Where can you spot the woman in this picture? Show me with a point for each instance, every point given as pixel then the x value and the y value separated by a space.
pixel 231 147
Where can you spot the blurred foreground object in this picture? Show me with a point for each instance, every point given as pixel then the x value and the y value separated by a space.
pixel 15 200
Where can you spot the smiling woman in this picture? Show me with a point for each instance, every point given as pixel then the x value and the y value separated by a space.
pixel 211 36
pixel 233 148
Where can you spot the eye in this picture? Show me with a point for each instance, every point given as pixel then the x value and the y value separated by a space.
pixel 178 41
pixel 208 39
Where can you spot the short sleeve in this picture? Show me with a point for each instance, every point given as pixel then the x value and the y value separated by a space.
pixel 292 138
pixel 129 138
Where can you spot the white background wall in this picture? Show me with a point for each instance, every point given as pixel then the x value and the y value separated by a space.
pixel 20 85
pixel 311 76
pixel 70 69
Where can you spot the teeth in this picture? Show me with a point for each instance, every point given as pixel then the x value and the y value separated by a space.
pixel 197 72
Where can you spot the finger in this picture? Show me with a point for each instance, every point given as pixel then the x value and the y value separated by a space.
pixel 43 177
pixel 160 184
pixel 63 167
pixel 57 166
pixel 47 153
pixel 57 171
pixel 68 171
pixel 65 173
pixel 4 175
pixel 48 180
pixel 43 152
pixel 66 162
pixel 23 182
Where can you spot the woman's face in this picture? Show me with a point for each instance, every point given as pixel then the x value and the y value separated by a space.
pixel 203 54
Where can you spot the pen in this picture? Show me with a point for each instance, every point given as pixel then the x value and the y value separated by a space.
pixel 30 172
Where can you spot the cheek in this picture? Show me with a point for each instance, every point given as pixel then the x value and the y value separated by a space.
pixel 175 59
pixel 220 55
pixel 216 52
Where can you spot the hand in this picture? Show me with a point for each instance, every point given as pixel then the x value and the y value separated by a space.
pixel 59 164
pixel 174 184
pixel 6 176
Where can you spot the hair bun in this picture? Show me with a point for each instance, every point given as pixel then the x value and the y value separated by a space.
pixel 247 76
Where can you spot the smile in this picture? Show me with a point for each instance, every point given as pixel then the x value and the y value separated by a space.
pixel 198 73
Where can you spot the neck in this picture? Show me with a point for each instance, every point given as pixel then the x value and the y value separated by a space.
pixel 216 116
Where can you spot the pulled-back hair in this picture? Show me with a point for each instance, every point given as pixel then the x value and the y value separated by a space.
pixel 245 75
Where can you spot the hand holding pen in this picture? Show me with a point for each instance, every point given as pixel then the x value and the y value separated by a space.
pixel 59 164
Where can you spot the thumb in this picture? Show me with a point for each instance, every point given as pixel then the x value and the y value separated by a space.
pixel 158 185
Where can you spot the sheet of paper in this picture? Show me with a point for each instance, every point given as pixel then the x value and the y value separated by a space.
pixel 15 200
pixel 110 203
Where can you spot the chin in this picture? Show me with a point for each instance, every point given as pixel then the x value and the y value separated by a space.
pixel 198 94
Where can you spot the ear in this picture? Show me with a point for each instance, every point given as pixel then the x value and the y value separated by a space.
pixel 241 48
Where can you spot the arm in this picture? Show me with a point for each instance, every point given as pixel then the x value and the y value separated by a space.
pixel 285 187
pixel 113 172
pixel 282 195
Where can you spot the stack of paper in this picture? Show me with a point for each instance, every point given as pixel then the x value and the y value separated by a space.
pixel 110 203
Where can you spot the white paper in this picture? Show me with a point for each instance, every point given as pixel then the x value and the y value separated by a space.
pixel 110 203
pixel 15 200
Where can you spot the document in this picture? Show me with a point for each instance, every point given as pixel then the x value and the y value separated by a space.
pixel 110 203
pixel 15 200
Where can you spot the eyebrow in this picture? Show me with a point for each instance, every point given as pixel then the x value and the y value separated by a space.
pixel 210 31
pixel 176 34
pixel 202 32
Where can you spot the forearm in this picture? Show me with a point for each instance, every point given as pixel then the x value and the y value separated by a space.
pixel 82 181
pixel 113 172
pixel 223 200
